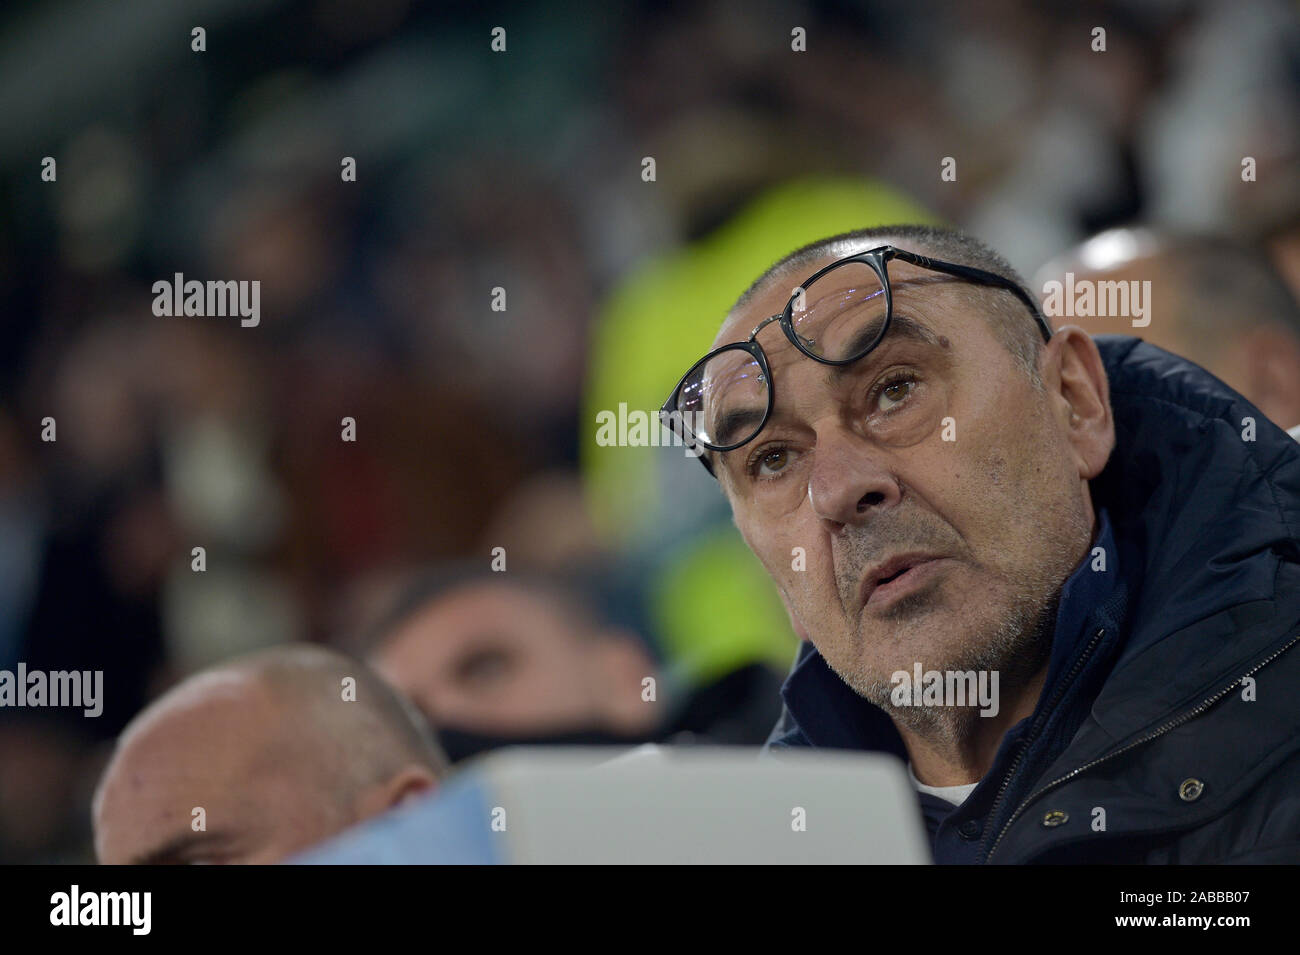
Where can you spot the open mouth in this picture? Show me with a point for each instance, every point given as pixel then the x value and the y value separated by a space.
pixel 885 580
pixel 898 577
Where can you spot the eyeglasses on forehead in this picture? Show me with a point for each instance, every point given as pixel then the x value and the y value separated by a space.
pixel 832 322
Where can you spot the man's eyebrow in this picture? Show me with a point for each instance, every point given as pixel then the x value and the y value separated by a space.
pixel 177 846
pixel 900 327
pixel 730 423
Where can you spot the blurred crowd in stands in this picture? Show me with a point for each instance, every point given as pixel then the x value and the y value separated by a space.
pixel 475 426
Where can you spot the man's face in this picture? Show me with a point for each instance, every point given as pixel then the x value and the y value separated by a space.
pixel 916 549
pixel 213 750
pixel 494 658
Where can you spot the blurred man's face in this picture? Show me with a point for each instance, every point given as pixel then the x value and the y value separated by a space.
pixel 1258 363
pixel 495 658
pixel 211 750
pixel 915 548
pixel 1164 304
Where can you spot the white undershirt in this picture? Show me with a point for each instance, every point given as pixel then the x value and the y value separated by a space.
pixel 953 794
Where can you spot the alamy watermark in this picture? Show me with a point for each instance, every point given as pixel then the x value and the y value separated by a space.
pixel 130 909
pixel 214 299
pixel 946 688
pixel 646 429
pixel 57 688
pixel 1088 298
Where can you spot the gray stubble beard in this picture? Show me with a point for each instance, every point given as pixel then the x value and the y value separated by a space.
pixel 1017 646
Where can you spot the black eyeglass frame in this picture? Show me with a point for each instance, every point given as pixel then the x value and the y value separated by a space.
pixel 877 259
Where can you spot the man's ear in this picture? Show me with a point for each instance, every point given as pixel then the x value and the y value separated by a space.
pixel 1078 394
pixel 408 783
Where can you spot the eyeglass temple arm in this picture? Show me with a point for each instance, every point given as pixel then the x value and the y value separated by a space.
pixel 982 277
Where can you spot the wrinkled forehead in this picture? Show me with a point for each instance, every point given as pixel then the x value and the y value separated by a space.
pixel 771 299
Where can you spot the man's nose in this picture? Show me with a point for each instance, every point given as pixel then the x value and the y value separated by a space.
pixel 849 481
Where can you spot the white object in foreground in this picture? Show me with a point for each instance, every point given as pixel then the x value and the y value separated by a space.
pixel 666 806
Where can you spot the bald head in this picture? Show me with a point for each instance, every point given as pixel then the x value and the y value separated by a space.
pixel 1213 300
pixel 259 758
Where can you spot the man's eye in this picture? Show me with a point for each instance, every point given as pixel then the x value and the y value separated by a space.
pixel 773 461
pixel 894 393
pixel 483 668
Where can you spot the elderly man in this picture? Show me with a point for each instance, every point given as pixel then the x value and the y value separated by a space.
pixel 1100 537
pixel 259 758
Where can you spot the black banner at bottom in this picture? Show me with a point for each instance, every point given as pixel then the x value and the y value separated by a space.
pixel 332 904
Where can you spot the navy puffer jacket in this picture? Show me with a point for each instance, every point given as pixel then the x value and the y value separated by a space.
pixel 1189 761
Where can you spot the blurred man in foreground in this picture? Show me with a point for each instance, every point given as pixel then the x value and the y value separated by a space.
pixel 1212 300
pixel 259 758
pixel 520 659
pixel 1059 576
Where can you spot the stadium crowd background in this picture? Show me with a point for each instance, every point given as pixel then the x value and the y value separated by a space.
pixel 520 170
